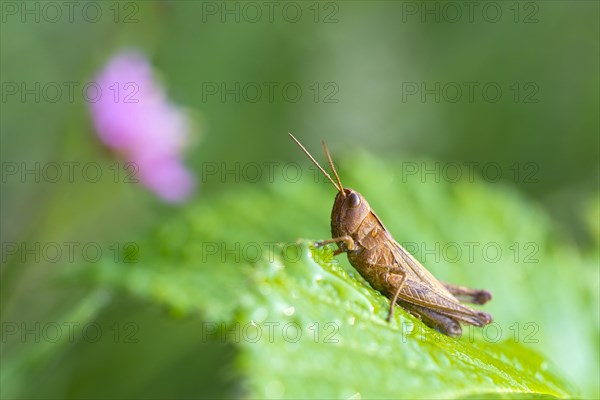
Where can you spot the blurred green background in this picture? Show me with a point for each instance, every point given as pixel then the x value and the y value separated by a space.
pixel 364 70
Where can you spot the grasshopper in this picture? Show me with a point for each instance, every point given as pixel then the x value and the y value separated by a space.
pixel 392 270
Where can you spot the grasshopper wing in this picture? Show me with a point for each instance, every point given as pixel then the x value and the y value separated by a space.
pixel 423 289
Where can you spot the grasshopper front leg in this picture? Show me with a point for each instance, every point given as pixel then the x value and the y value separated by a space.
pixel 347 240
pixel 395 281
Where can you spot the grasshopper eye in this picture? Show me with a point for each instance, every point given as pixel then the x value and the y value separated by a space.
pixel 354 200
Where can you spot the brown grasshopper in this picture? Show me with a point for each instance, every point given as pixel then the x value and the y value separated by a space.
pixel 392 270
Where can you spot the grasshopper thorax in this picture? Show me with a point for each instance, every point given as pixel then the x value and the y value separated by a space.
pixel 350 208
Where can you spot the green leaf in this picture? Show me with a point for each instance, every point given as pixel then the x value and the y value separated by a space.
pixel 308 326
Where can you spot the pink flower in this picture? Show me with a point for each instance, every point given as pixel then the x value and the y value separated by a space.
pixel 134 117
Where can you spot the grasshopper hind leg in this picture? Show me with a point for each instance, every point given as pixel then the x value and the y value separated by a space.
pixel 468 295
pixel 398 281
pixel 435 320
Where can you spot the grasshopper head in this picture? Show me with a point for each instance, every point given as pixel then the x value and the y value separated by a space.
pixel 349 210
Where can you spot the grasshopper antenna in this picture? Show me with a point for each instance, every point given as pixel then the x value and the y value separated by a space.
pixel 340 187
pixel 332 167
